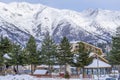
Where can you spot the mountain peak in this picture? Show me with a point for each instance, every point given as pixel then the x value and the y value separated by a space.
pixel 19 20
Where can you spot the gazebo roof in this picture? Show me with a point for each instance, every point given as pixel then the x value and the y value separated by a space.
pixel 98 64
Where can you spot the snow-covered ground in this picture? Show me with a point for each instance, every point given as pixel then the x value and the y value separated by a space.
pixel 28 77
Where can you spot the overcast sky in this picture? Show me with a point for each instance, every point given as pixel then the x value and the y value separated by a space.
pixel 77 5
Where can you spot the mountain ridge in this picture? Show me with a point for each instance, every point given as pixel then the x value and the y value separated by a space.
pixel 25 19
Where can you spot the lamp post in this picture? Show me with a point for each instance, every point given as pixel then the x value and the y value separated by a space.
pixel 97 67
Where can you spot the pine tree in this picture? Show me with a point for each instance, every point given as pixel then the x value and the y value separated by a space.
pixel 5 47
pixel 1 58
pixel 1 52
pixel 102 46
pixel 31 48
pixel 114 56
pixel 48 51
pixel 39 57
pixel 65 56
pixel 25 58
pixel 81 57
pixel 16 56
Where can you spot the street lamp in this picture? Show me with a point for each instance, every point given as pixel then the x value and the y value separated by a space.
pixel 97 67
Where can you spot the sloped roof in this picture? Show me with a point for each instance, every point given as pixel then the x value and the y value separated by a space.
pixel 43 66
pixel 98 64
pixel 42 72
pixel 6 56
pixel 101 57
pixel 56 66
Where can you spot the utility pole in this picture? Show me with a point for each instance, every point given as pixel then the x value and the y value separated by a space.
pixel 97 67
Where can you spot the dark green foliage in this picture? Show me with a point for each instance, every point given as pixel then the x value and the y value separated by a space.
pixel 48 50
pixel 65 55
pixel 85 60
pixel 82 56
pixel 5 47
pixel 102 46
pixel 67 75
pixel 31 51
pixel 39 57
pixel 25 57
pixel 114 56
pixel 16 55
pixel 1 58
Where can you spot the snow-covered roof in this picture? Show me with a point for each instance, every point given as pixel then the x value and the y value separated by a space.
pixel 56 66
pixel 44 66
pixel 6 56
pixel 98 64
pixel 92 54
pixel 42 72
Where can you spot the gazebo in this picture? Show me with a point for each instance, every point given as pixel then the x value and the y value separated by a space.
pixel 98 67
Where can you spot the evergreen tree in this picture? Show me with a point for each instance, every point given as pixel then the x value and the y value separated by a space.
pixel 48 51
pixel 39 57
pixel 1 52
pixel 1 58
pixel 31 48
pixel 114 56
pixel 16 56
pixel 102 46
pixel 5 47
pixel 25 58
pixel 81 57
pixel 64 55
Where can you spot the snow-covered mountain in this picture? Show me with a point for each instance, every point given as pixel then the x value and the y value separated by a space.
pixel 20 20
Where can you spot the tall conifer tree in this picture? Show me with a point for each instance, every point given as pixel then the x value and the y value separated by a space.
pixel 16 57
pixel 5 47
pixel 114 55
pixel 31 48
pixel 48 51
pixel 81 57
pixel 65 55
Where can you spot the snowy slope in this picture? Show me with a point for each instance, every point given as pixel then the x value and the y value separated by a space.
pixel 20 20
